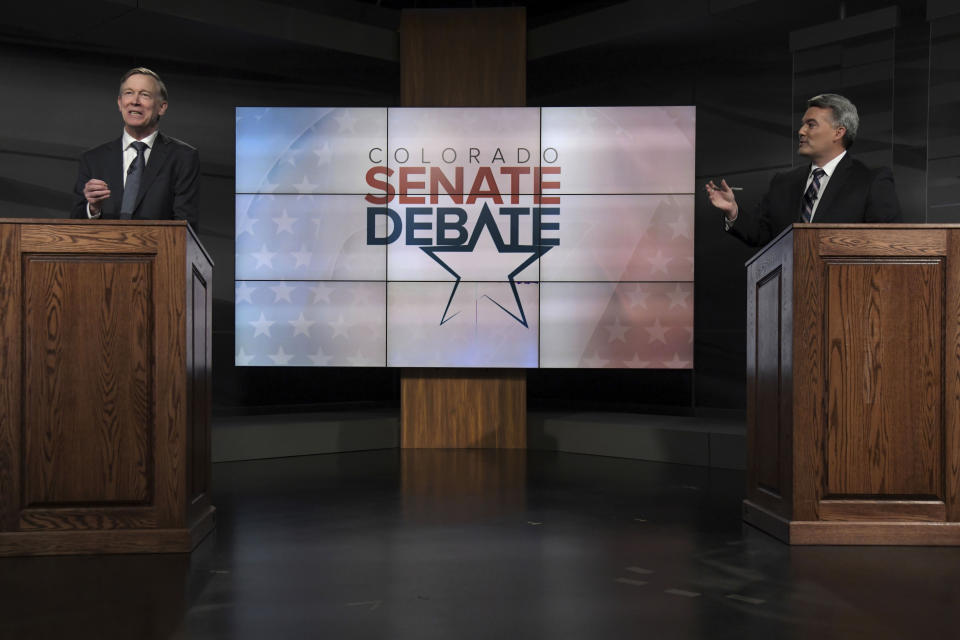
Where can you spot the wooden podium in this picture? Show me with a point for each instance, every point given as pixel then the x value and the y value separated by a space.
pixel 104 387
pixel 853 385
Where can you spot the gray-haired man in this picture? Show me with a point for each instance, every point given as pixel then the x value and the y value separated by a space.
pixel 144 174
pixel 834 187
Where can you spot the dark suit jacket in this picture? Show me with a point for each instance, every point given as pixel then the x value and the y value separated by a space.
pixel 168 189
pixel 854 193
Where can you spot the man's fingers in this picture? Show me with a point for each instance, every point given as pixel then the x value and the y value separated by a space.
pixel 97 195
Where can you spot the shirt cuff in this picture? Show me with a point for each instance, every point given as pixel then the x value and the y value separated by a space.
pixel 91 215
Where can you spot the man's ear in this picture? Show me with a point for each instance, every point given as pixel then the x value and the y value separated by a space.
pixel 163 108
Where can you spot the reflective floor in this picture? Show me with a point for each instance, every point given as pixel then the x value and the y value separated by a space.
pixel 483 544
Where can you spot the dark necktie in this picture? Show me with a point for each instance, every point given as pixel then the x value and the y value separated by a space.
pixel 132 186
pixel 811 195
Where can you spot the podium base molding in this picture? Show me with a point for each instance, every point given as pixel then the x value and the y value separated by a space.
pixel 812 532
pixel 107 541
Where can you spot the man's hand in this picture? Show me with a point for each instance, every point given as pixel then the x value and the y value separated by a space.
pixel 95 191
pixel 722 198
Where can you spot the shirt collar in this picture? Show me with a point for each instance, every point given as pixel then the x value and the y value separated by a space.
pixel 126 139
pixel 830 166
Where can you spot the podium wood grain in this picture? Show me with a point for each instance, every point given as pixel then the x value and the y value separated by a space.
pixel 853 386
pixel 104 440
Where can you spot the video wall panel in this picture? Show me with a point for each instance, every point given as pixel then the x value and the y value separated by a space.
pixel 514 237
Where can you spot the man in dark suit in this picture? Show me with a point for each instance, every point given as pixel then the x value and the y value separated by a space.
pixel 144 174
pixel 834 187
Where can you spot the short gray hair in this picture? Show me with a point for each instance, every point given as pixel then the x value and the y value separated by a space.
pixel 844 114
pixel 146 72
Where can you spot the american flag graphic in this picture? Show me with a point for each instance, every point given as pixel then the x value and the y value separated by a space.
pixel 315 288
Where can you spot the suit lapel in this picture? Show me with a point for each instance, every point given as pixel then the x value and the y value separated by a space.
pixel 798 180
pixel 114 176
pixel 158 155
pixel 830 191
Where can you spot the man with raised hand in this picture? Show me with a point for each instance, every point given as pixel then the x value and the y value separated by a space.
pixel 144 174
pixel 834 187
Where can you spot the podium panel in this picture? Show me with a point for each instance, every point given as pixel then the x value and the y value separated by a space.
pixel 104 357
pixel 853 355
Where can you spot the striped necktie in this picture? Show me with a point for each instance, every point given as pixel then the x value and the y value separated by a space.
pixel 132 186
pixel 811 195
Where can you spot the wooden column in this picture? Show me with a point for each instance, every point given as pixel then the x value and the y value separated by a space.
pixel 463 58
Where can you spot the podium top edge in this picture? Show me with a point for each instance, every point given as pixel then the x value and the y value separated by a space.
pixel 142 223
pixel 804 226
pixel 100 222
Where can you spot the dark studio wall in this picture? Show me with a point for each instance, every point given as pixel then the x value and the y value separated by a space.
pixel 747 71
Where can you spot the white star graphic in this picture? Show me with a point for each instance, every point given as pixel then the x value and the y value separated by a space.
pixel 305 186
pixel 323 155
pixel 263 257
pixel 282 292
pixel 245 224
pixel 262 326
pixel 357 359
pixel 242 359
pixel 321 293
pixel 284 223
pixel 319 358
pixel 302 326
pixel 280 357
pixel 288 159
pixel 302 257
pixel 346 121
pixel 617 331
pixel 680 228
pixel 659 262
pixel 638 297
pixel 636 362
pixel 243 293
pixel 340 327
pixel 678 297
pixel 594 362
pixel 657 332
pixel 676 363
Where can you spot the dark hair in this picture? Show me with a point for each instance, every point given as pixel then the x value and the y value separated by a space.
pixel 146 72
pixel 844 114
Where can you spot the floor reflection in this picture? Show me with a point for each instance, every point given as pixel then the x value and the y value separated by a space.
pixel 424 544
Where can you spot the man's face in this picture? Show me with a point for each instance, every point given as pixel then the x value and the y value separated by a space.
pixel 820 140
pixel 140 104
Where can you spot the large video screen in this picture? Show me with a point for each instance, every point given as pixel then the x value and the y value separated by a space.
pixel 468 237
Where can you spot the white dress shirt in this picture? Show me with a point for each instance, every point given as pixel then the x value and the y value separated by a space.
pixel 129 155
pixel 828 170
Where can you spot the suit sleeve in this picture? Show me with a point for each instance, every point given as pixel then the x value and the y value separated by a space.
pixel 882 202
pixel 186 189
pixel 756 228
pixel 79 209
